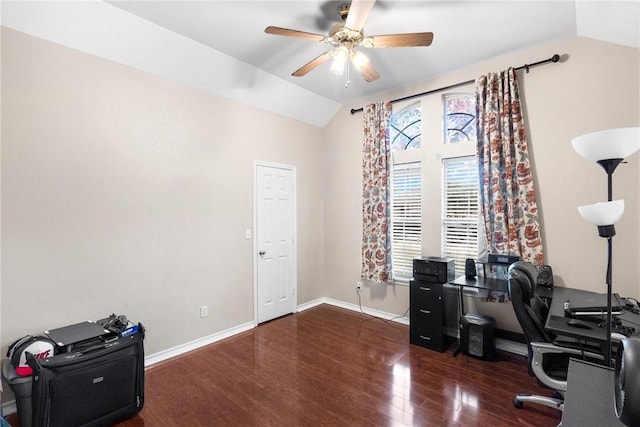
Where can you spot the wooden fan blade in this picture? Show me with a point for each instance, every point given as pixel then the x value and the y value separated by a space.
pixel 312 64
pixel 358 14
pixel 369 73
pixel 402 40
pixel 293 33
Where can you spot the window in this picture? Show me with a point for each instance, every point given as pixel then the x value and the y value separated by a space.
pixel 405 129
pixel 459 118
pixel 406 191
pixel 406 218
pixel 460 209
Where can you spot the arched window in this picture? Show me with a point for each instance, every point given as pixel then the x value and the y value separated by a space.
pixel 404 128
pixel 460 118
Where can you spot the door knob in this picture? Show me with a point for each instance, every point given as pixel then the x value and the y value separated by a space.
pixel 261 253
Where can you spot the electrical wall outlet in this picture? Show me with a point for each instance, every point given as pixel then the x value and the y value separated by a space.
pixel 204 311
pixel 358 285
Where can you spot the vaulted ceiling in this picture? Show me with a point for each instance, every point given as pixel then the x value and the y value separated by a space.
pixel 221 46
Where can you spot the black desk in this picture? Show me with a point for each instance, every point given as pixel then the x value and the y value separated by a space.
pixel 588 401
pixel 558 323
pixel 489 284
pixel 479 283
pixel 484 283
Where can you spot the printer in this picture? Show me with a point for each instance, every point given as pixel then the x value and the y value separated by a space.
pixel 434 269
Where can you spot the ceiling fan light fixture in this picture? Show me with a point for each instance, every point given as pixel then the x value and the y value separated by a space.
pixel 343 11
pixel 359 60
pixel 368 42
pixel 347 36
pixel 340 58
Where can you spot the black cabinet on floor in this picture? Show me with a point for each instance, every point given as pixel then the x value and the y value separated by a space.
pixel 426 301
pixel 427 316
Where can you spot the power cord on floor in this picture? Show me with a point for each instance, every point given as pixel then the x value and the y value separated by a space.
pixel 387 321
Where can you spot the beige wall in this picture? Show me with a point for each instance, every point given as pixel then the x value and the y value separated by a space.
pixel 125 192
pixel 595 88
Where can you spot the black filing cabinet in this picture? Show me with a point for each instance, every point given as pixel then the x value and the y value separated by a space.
pixel 427 315
pixel 426 300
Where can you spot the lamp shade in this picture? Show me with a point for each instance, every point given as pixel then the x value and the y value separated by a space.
pixel 603 213
pixel 608 144
pixel 340 58
pixel 359 60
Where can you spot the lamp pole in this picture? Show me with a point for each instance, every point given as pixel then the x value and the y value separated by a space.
pixel 607 350
pixel 609 166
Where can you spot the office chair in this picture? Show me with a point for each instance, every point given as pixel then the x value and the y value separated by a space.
pixel 548 358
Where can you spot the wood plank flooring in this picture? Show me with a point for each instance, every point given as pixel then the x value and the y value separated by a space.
pixel 328 366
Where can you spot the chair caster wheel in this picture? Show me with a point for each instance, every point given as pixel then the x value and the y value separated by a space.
pixel 518 403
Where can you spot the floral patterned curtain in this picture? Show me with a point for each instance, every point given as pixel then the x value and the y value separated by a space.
pixel 376 239
pixel 507 196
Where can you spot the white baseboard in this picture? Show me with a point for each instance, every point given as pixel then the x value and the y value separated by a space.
pixel 370 311
pixel 196 344
pixel 311 304
pixel 511 346
pixel 502 344
pixel 353 307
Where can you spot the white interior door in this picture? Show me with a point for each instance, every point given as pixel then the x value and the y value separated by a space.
pixel 275 241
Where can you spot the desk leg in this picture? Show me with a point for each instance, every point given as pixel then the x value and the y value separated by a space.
pixel 460 314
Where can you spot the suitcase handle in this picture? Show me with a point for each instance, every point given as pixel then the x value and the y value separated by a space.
pixel 67 358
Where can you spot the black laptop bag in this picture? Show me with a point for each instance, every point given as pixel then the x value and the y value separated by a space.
pixel 95 385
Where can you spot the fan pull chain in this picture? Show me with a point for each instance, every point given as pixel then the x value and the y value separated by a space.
pixel 346 85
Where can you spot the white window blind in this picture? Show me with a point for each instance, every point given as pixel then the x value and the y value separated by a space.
pixel 406 218
pixel 460 210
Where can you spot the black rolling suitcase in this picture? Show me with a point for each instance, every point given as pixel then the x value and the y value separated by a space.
pixel 97 384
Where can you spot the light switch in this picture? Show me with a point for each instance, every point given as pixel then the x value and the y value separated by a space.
pixel 247 233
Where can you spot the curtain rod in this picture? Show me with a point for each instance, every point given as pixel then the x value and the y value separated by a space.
pixel 554 58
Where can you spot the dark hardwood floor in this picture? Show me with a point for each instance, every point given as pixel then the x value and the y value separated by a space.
pixel 334 367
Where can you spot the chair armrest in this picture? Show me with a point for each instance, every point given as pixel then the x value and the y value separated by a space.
pixel 617 336
pixel 549 348
pixel 539 349
pixel 579 345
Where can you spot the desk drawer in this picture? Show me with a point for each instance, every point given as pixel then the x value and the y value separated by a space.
pixel 426 328
pixel 433 342
pixel 429 338
pixel 426 295
pixel 426 319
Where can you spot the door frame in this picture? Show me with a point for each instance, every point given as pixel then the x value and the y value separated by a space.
pixel 294 249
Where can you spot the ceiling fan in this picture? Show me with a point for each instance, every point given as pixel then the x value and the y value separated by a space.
pixel 347 36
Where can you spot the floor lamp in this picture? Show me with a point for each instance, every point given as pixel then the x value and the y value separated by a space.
pixel 608 148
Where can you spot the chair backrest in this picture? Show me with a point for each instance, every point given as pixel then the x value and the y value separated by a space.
pixel 529 309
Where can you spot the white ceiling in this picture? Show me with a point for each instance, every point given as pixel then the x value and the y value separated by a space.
pixel 465 32
pixel 221 45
